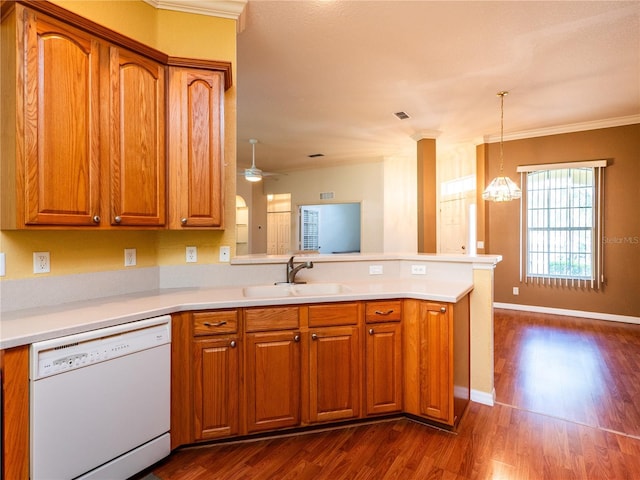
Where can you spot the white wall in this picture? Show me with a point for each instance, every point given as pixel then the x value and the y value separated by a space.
pixel 400 205
pixel 363 183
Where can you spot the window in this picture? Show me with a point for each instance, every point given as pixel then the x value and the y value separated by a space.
pixel 561 224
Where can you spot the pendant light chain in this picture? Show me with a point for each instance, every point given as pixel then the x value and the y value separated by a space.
pixel 502 94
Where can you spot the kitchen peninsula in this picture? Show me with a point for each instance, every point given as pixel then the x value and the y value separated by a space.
pixel 220 321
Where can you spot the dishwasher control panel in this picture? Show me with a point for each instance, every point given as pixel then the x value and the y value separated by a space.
pixel 76 351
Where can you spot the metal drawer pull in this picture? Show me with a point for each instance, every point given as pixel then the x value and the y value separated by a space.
pixel 296 338
pixel 96 219
pixel 388 312
pixel 233 344
pixel 219 324
pixel 443 309
pixel 314 336
pixel 371 332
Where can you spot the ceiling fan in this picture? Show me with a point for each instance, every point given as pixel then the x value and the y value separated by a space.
pixel 253 173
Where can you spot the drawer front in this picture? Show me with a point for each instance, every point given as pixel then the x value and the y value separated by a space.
pixel 271 318
pixel 383 311
pixel 334 314
pixel 214 323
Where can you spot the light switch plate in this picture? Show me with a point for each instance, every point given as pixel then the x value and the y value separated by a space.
pixel 3 265
pixel 129 257
pixel 225 254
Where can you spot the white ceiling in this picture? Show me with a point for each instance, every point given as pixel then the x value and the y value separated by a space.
pixel 327 76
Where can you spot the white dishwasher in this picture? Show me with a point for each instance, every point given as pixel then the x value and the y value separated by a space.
pixel 100 402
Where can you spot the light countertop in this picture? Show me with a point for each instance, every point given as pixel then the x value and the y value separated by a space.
pixel 28 326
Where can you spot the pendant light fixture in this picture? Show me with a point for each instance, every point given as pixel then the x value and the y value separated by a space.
pixel 253 174
pixel 501 188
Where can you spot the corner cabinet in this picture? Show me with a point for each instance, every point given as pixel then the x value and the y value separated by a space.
pixel 437 371
pixel 196 113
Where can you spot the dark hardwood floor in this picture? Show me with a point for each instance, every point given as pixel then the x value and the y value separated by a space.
pixel 567 408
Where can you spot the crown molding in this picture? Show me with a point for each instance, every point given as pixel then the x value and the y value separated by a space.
pixel 426 134
pixel 571 128
pixel 214 8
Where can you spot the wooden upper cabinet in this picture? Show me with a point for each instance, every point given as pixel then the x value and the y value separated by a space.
pixel 196 174
pixel 56 103
pixel 137 140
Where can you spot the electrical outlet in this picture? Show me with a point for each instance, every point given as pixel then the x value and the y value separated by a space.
pixel 225 254
pixel 418 269
pixel 3 265
pixel 516 291
pixel 192 254
pixel 375 269
pixel 129 257
pixel 41 262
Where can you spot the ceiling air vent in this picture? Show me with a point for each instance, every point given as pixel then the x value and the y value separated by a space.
pixel 402 115
pixel 326 195
pixel 316 155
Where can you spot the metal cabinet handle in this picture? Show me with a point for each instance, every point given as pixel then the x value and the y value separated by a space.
pixel 96 219
pixel 388 312
pixel 232 344
pixel 296 338
pixel 219 324
pixel 314 336
pixel 371 331
pixel 443 309
pixel 183 221
pixel 118 219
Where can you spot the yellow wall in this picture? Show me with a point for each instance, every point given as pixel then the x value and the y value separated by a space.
pixel 176 34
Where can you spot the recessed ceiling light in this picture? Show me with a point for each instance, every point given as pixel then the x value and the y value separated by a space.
pixel 402 115
pixel 316 155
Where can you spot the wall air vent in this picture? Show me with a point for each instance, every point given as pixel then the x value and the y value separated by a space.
pixel 326 195
pixel 316 155
pixel 402 115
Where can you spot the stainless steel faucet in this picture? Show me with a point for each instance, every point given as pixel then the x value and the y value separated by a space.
pixel 293 270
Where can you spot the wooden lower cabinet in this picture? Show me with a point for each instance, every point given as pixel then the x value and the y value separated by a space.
pixel 335 373
pixel 14 368
pixel 272 381
pixel 437 380
pixel 216 387
pixel 383 368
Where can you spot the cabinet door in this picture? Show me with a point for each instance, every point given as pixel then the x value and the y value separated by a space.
pixel 335 373
pixel 216 387
pixel 58 120
pixel 137 140
pixel 196 109
pixel 272 380
pixel 383 369
pixel 436 360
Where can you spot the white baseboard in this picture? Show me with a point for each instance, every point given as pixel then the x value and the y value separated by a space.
pixel 570 313
pixel 483 397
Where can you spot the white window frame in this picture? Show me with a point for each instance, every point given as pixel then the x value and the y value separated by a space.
pixel 595 280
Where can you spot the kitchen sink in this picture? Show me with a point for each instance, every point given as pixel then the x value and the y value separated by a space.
pixel 293 290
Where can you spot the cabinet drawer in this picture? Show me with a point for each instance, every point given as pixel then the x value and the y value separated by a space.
pixel 334 314
pixel 383 311
pixel 271 318
pixel 213 323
